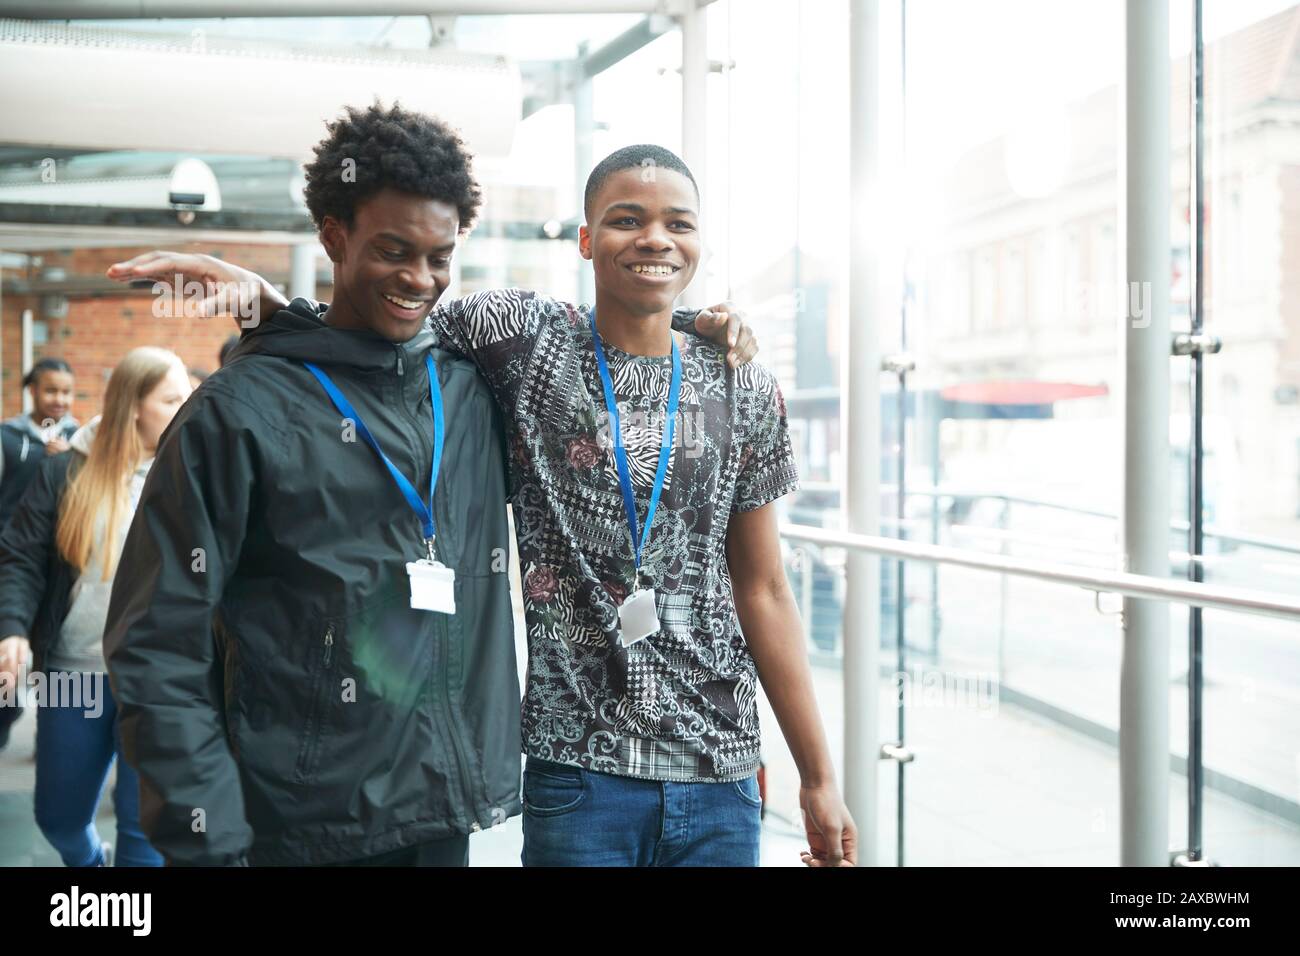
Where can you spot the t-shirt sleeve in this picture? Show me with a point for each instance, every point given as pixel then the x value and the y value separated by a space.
pixel 484 323
pixel 495 329
pixel 767 468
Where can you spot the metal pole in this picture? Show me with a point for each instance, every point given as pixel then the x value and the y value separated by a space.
pixel 2 313
pixel 695 78
pixel 900 592
pixel 302 270
pixel 25 364
pixel 728 169
pixel 1144 674
pixel 862 430
pixel 934 423
pixel 900 596
pixel 584 124
pixel 1004 596
pixel 1196 541
pixel 796 260
pixel 190 9
pixel 454 288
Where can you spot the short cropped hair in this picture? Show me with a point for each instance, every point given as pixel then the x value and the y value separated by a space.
pixel 642 156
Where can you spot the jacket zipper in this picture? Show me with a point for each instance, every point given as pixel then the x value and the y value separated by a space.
pixel 314 715
pixel 453 725
pixel 454 729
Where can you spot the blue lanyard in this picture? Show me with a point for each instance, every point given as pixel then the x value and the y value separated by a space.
pixel 423 512
pixel 620 452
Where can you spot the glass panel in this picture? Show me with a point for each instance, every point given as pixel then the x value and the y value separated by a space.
pixel 1251 718
pixel 1014 446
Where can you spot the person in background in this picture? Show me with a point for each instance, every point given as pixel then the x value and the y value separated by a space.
pixel 58 557
pixel 25 440
pixel 28 438
pixel 197 376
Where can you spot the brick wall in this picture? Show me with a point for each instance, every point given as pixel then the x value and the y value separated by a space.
pixel 102 327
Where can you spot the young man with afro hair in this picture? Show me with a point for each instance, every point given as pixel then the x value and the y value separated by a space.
pixel 312 639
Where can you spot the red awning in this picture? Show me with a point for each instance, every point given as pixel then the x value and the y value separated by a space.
pixel 1020 393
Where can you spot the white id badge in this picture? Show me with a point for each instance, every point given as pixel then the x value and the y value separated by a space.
pixel 433 586
pixel 637 617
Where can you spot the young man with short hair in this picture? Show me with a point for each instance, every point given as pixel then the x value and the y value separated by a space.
pixel 655 592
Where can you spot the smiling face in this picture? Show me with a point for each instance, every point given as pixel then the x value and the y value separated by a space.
pixel 393 264
pixel 643 239
pixel 51 396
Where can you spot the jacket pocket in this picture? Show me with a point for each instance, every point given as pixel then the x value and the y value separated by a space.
pixel 313 728
pixel 377 704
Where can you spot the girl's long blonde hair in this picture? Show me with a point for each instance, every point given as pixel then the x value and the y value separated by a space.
pixel 101 486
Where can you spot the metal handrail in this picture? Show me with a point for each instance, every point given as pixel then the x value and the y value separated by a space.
pixel 1039 541
pixel 1115 582
pixel 1180 525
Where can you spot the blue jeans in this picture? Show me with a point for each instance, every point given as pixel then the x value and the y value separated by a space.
pixel 573 817
pixel 75 748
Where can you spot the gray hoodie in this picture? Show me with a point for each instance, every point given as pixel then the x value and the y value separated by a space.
pixel 80 646
pixel 33 432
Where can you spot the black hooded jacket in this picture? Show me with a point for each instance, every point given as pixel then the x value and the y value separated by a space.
pixel 279 697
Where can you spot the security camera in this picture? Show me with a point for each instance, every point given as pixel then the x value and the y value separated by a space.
pixel 193 185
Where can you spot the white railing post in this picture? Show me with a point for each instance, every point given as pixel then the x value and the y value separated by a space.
pixel 862 433
pixel 695 117
pixel 302 270
pixel 1144 672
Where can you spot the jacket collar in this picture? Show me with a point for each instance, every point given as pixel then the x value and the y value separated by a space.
pixel 297 332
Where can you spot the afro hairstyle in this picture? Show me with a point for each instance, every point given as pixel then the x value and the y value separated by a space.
pixel 376 148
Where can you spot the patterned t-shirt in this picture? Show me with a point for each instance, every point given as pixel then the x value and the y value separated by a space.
pixel 681 704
